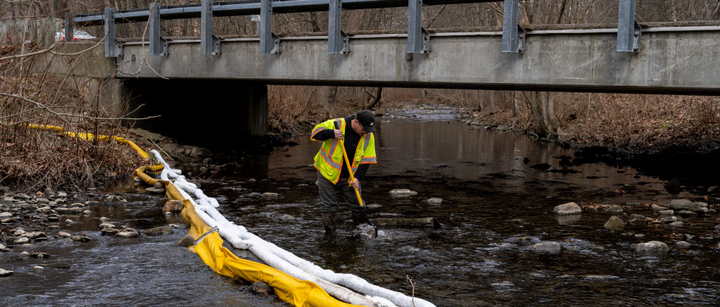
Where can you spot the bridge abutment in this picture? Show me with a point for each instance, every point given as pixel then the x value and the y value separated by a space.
pixel 204 112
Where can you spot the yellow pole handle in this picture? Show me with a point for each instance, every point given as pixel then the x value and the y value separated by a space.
pixel 352 178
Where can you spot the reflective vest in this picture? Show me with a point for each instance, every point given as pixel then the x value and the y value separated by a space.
pixel 328 161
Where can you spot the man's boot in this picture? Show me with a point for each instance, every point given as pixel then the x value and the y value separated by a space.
pixel 358 218
pixel 328 222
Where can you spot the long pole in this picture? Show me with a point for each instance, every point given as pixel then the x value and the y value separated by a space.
pixel 352 178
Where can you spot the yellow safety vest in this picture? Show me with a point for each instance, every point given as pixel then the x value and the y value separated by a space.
pixel 328 161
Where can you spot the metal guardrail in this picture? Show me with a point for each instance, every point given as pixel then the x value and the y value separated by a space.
pixel 418 39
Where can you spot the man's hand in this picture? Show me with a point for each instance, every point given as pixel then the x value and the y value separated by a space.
pixel 338 134
pixel 356 184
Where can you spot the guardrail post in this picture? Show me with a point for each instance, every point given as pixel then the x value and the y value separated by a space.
pixel 113 48
pixel 418 40
pixel 338 41
pixel 513 37
pixel 157 43
pixel 269 42
pixel 209 43
pixel 69 27
pixel 629 31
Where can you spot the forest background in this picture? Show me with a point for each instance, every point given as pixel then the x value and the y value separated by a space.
pixel 623 122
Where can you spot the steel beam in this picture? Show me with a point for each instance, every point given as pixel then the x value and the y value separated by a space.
pixel 253 8
pixel 113 49
pixel 157 43
pixel 209 43
pixel 513 37
pixel 338 41
pixel 269 42
pixel 629 32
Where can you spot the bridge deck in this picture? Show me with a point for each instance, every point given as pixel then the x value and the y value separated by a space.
pixel 673 60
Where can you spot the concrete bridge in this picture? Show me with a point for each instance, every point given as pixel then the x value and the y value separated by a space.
pixel 627 59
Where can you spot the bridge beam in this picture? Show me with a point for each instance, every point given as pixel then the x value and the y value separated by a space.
pixel 338 41
pixel 418 39
pixel 269 42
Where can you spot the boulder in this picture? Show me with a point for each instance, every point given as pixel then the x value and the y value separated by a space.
pixel 652 246
pixel 64 234
pixel 552 248
pixel 173 206
pixel 157 231
pixel 402 193
pixel 568 209
pixel 614 223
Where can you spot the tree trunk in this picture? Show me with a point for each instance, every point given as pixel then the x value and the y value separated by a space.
pixel 536 108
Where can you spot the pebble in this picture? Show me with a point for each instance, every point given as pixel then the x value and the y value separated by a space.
pixel 552 248
pixel 568 209
pixel 652 246
pixel 64 234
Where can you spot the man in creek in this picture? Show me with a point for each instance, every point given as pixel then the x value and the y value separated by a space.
pixel 333 177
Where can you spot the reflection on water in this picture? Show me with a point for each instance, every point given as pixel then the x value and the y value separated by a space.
pixel 499 190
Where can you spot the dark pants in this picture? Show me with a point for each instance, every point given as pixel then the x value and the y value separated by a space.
pixel 329 192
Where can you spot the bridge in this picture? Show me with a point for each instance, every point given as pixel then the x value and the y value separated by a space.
pixel 627 59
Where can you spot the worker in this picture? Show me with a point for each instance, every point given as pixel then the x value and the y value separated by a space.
pixel 357 132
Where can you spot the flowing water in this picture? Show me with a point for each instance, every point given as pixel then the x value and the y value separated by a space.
pixel 498 195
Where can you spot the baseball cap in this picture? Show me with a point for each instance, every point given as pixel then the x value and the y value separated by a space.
pixel 367 120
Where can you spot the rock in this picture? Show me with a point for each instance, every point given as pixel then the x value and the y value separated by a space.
pixel 686 204
pixel 147 134
pixel 286 218
pixel 685 213
pixel 22 240
pixel 552 248
pixel 402 193
pixel 106 225
pixel 3 248
pixel 61 194
pixel 5 214
pixel 155 190
pixel 109 231
pixel 366 231
pixel 652 246
pixel 614 209
pixel 682 244
pixel 22 196
pixel 69 222
pixel 614 223
pixel 7 201
pixel 668 219
pixel 270 195
pixel 157 231
pixel 19 232
pixel 5 273
pixel 568 219
pixel 677 224
pixel 159 185
pixel 568 209
pixel 64 234
pixel 187 240
pixel 81 238
pixel 173 206
pixel 260 287
pixel 435 201
pixel 128 233
pixel 37 267
pixel 40 255
pixel 666 212
pixel 53 218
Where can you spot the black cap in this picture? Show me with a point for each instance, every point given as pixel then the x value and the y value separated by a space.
pixel 367 120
